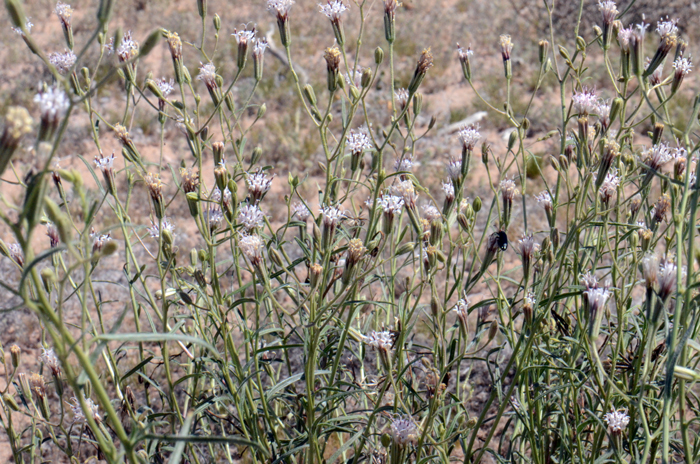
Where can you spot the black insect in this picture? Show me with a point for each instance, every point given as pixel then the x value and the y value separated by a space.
pixel 502 240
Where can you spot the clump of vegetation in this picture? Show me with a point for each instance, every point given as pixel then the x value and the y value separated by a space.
pixel 349 330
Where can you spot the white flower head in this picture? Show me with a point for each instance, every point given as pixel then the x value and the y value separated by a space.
pixel 667 27
pixel 63 62
pixel 617 420
pixel 403 164
pixel 449 190
pixel 53 102
pixel 251 216
pixel 331 215
pixel 405 190
pixel 454 169
pixel 28 25
pixel 78 414
pixel 165 86
pixel 383 340
pixel 608 10
pixel 469 136
pixel 48 357
pixel 401 96
pixel 358 140
pixel 404 430
pixel 390 204
pixel 155 230
pixel 301 211
pixel 252 246
pixel 333 9
pixel 258 184
pixel 431 213
pixel 683 65
pixel 207 73
pixel 657 156
pixel 585 101
pixel 244 35
pixel 545 198
pixel 280 7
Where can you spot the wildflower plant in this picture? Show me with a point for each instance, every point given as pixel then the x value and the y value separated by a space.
pixel 348 328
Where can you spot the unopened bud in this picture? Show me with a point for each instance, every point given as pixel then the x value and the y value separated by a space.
pixel 476 204
pixel 544 50
pixel 16 355
pixel 217 22
pixel 493 329
pixel 310 95
pixel 378 55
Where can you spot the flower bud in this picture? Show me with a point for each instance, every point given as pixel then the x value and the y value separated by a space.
pixel 476 204
pixel 366 79
pixel 217 22
pixel 378 55
pixel 310 95
pixel 15 355
pixel 543 51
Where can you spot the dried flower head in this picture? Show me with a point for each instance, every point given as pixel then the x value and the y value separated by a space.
pixel 122 134
pixel 661 208
pixel 38 385
pixel 52 233
pixel 64 13
pixel 668 277
pixel 506 47
pixel 588 280
pixel 190 180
